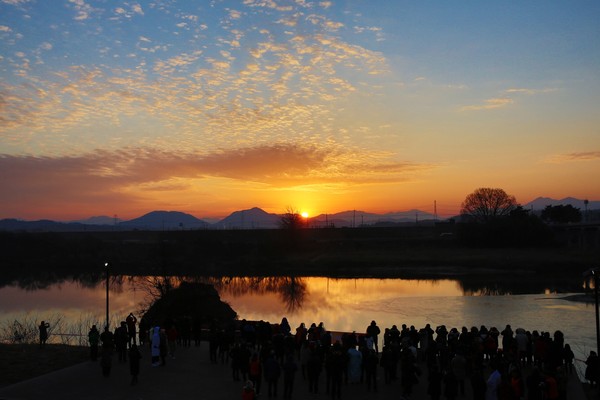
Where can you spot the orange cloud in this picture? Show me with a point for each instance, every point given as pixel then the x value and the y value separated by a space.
pixel 130 176
pixel 577 156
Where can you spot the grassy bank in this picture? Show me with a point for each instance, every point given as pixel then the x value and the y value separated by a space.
pixel 19 362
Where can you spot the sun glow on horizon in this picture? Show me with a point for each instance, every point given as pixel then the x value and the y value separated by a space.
pixel 304 214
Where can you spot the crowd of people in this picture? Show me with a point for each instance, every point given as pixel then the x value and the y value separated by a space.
pixel 495 364
pixel 506 364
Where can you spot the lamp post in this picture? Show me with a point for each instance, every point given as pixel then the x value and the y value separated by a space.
pixel 107 276
pixel 595 273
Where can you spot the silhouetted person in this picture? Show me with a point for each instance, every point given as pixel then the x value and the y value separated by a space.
pixel 155 346
pixel 592 368
pixel 134 363
pixel 289 373
pixel 106 362
pixel 335 364
pixel 272 371
pixel 121 338
pixel 248 392
pixel 107 339
pixel 255 372
pixel 568 356
pixel 450 386
pixel 131 320
pixel 313 368
pixel 94 340
pixel 409 372
pixel 478 385
pixel 43 332
pixel 371 362
pixel 434 383
pixel 373 331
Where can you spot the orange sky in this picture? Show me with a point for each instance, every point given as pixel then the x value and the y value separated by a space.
pixel 122 109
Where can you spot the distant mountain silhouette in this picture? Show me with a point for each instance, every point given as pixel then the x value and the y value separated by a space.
pixel 165 220
pixel 253 218
pixel 358 218
pixel 99 220
pixel 541 202
pixel 45 225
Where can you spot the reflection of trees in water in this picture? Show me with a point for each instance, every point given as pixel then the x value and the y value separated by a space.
pixel 46 280
pixel 291 290
pixel 498 285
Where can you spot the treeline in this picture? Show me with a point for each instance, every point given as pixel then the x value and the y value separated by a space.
pixel 279 251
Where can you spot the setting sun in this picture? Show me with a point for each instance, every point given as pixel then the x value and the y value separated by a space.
pixel 304 214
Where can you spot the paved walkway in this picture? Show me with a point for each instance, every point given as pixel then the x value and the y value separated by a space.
pixel 189 376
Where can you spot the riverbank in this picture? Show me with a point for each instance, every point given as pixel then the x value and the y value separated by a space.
pixel 414 252
pixel 20 362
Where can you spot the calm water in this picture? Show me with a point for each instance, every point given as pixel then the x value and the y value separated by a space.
pixel 342 304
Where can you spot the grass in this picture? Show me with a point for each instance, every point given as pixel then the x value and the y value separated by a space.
pixel 19 362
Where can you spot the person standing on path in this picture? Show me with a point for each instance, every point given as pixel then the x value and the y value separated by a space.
pixel 134 363
pixel 43 333
pixel 373 332
pixel 289 373
pixel 131 320
pixel 272 371
pixel 94 340
pixel 108 344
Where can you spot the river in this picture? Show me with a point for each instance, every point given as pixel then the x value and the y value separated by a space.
pixel 71 306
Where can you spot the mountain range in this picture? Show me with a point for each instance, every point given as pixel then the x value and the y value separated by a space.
pixel 254 218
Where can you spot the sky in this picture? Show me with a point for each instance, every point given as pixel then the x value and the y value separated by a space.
pixel 208 107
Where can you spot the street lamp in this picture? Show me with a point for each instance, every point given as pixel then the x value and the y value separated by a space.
pixel 595 275
pixel 107 276
pixel 594 272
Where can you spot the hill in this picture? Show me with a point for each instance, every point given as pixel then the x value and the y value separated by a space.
pixel 165 220
pixel 253 218
pixel 541 202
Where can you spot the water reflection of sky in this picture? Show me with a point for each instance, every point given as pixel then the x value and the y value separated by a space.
pixel 342 304
pixel 69 300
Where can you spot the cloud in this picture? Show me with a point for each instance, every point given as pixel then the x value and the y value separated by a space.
pixel 83 9
pixel 506 100
pixel 4 28
pixel 235 14
pixel 530 92
pixel 574 157
pixel 129 175
pixel 243 86
pixel 490 104
pixel 15 2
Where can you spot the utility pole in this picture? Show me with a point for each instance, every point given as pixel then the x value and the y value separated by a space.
pixel 107 280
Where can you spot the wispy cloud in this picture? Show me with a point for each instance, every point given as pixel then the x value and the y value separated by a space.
pixel 529 91
pixel 574 157
pixel 490 104
pixel 507 98
pixel 15 2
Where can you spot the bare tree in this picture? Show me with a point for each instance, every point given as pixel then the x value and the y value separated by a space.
pixel 291 219
pixel 487 203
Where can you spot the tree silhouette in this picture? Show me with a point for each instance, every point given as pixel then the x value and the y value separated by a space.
pixel 561 214
pixel 485 204
pixel 291 219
